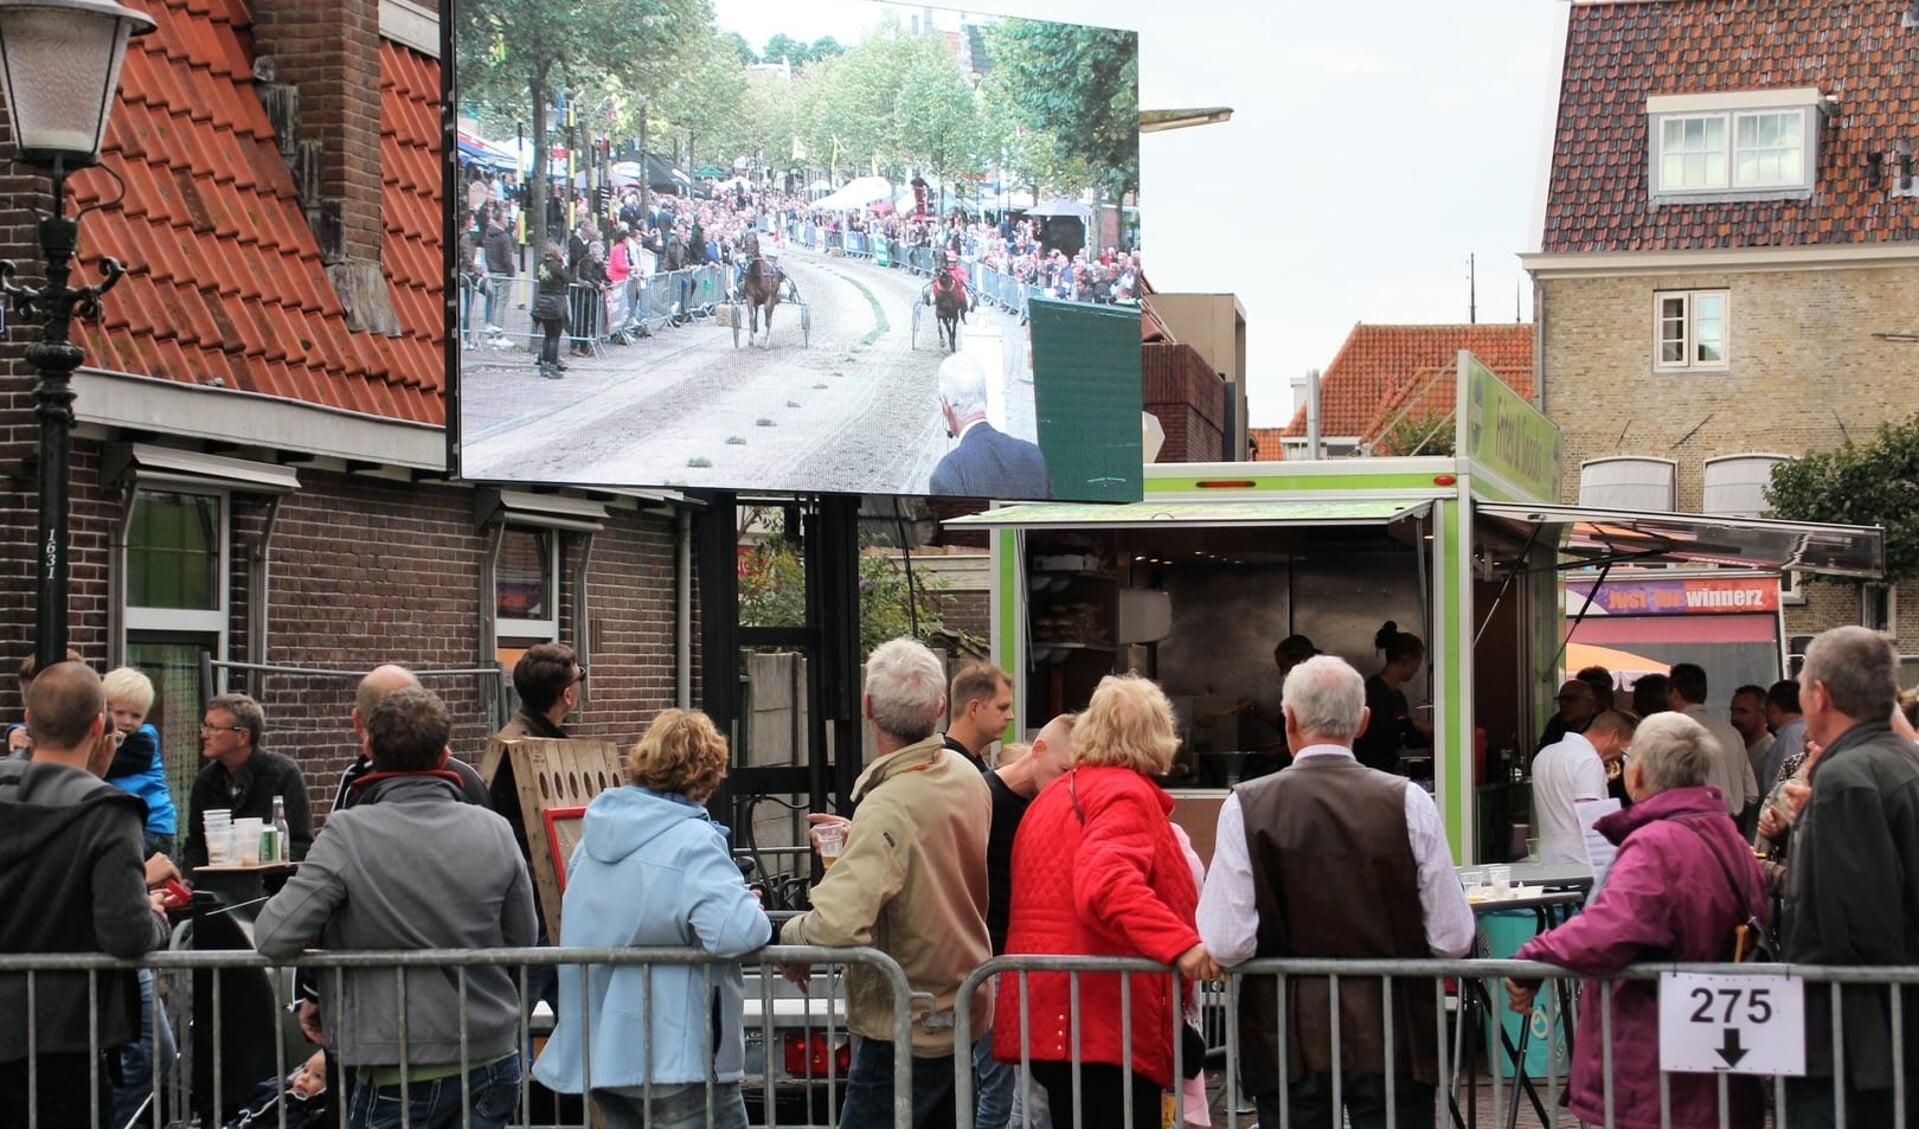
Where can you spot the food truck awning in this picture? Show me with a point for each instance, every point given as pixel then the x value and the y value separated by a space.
pixel 1591 536
pixel 1158 515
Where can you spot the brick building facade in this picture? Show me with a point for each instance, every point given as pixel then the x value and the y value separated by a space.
pixel 1726 246
pixel 259 472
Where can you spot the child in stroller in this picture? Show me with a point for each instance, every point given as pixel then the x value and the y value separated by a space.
pixel 309 1102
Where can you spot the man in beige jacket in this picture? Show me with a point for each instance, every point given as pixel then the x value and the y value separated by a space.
pixel 911 882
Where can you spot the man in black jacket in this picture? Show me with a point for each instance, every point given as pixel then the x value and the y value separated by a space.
pixel 73 878
pixel 1852 887
pixel 243 778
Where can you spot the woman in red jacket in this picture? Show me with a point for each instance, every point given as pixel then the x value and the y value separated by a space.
pixel 1096 870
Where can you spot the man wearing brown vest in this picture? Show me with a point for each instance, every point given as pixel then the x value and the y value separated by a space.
pixel 1329 858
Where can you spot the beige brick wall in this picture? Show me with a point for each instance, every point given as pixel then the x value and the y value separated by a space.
pixel 1805 372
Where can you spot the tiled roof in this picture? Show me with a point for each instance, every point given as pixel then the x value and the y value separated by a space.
pixel 1267 445
pixel 227 288
pixel 1619 54
pixel 1382 369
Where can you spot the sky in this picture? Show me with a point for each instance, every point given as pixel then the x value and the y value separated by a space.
pixel 1373 148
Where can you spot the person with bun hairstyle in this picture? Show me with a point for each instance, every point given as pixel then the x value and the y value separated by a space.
pixel 1391 725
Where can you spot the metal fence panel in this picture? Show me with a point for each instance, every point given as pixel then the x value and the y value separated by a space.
pixel 211 1091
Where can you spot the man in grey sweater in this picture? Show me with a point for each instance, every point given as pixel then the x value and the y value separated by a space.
pixel 412 866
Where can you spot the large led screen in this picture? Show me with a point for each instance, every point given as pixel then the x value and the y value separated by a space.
pixel 799 248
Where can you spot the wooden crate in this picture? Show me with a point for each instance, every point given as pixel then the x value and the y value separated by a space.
pixel 532 775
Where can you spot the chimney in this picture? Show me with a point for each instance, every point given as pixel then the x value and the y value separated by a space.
pixel 320 70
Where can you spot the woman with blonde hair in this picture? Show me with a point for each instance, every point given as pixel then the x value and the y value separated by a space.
pixel 1097 870
pixel 653 870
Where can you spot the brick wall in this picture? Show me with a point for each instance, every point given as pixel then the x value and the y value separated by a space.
pixel 1189 400
pixel 367 571
pixel 331 52
pixel 1805 373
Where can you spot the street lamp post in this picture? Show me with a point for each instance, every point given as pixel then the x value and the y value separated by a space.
pixel 59 65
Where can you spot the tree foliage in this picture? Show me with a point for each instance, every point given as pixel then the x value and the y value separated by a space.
pixel 1429 434
pixel 773 594
pixel 1078 85
pixel 516 54
pixel 1873 483
pixel 1056 106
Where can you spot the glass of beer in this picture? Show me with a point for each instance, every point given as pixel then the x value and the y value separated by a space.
pixel 832 840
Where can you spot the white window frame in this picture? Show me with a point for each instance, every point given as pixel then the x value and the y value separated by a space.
pixel 182 621
pixel 1792 588
pixel 1730 109
pixel 1690 297
pixel 547 628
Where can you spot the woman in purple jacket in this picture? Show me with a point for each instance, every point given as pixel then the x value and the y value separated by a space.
pixel 1668 897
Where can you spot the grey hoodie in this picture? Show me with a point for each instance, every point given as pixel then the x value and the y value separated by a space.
pixel 72 880
pixel 410 866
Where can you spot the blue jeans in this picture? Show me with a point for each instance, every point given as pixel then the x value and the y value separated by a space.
pixel 679 1106
pixel 492 1091
pixel 993 1083
pixel 869 1089
pixel 136 1057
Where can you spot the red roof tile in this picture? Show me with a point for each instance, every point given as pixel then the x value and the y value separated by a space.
pixel 1619 54
pixel 227 282
pixel 1382 369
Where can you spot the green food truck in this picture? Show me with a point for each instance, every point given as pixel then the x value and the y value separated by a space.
pixel 1195 584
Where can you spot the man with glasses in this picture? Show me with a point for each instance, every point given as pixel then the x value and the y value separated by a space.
pixel 244 778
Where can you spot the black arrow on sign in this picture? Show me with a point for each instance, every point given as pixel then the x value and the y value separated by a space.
pixel 1729 1049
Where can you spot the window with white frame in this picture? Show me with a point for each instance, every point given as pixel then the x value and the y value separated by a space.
pixel 177 605
pixel 1689 329
pixel 526 592
pixel 1736 145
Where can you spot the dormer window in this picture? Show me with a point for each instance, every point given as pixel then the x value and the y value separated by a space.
pixel 1750 145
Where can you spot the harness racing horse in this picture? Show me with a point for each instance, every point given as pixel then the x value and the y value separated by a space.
pixel 949 303
pixel 760 288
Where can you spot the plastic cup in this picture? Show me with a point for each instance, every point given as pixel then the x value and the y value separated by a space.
pixel 218 826
pixel 1500 878
pixel 832 840
pixel 246 840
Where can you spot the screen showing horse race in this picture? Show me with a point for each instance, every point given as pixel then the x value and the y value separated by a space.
pixel 822 246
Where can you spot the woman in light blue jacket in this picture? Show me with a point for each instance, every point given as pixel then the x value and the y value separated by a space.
pixel 653 871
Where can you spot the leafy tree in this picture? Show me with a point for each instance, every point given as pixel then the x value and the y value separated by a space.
pixel 742 50
pixel 825 47
pixel 1078 84
pixel 783 46
pixel 515 54
pixel 1427 434
pixel 773 594
pixel 1875 483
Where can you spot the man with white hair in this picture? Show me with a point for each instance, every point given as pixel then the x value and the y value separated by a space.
pixel 911 882
pixel 987 463
pixel 1329 858
pixel 1852 884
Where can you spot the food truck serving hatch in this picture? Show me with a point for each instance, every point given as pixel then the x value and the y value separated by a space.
pixel 1590 537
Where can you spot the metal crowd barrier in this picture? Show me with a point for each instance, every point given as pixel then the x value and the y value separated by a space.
pixel 1469 1005
pixel 804 1027
pixel 499 315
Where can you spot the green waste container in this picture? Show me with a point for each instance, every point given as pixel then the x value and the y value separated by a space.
pixel 1503 933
